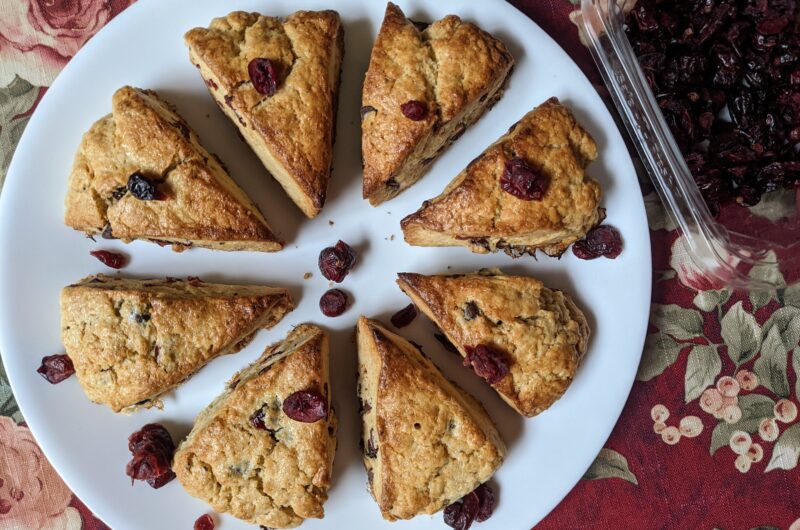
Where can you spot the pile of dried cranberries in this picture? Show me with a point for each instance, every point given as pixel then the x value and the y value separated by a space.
pixel 703 56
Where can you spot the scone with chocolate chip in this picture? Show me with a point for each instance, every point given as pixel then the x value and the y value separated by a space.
pixel 131 341
pixel 141 173
pixel 425 85
pixel 263 450
pixel 277 79
pixel 427 443
pixel 527 191
pixel 526 340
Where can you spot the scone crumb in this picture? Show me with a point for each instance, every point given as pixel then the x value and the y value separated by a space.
pixel 307 275
pixel 331 223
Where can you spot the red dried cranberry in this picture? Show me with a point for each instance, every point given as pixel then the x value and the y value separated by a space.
pixel 5 506
pixel 110 259
pixel 414 110
pixel 405 316
pixel 600 241
pixel 333 303
pixel 257 419
pixel 523 181
pixel 486 498
pixel 461 514
pixel 204 522
pixel 264 76
pixel 56 368
pixel 487 361
pixel 335 262
pixel 143 188
pixel 306 406
pixel 152 449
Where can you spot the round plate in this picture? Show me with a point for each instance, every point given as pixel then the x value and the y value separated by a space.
pixel 144 47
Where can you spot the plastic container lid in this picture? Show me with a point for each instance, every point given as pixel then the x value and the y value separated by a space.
pixel 727 247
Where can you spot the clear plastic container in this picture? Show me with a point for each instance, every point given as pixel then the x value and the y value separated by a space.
pixel 727 247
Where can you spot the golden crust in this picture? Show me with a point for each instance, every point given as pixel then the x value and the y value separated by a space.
pixel 276 476
pixel 427 442
pixel 133 340
pixel 454 67
pixel 473 211
pixel 541 330
pixel 292 131
pixel 203 206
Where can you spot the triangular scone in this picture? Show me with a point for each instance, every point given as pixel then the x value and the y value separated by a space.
pixel 133 340
pixel 540 332
pixel 291 131
pixel 246 457
pixel 475 212
pixel 453 68
pixel 427 443
pixel 198 203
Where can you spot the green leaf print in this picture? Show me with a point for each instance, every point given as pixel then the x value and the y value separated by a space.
pixel 741 334
pixel 702 369
pixel 610 464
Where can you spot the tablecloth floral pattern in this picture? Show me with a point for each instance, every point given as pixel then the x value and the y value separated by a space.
pixel 709 438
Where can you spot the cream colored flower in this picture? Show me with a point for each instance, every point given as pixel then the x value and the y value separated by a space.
pixel 785 411
pixel 711 400
pixel 742 463
pixel 671 435
pixel 732 414
pixel 659 413
pixel 728 386
pixel 740 442
pixel 768 430
pixel 755 453
pixel 691 426
pixel 747 380
pixel 659 426
pixel 795 525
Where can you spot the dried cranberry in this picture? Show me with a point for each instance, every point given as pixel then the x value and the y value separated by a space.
pixel 114 260
pixel 335 262
pixel 264 76
pixel 5 506
pixel 204 522
pixel 152 449
pixel 486 498
pixel 56 368
pixel 523 181
pixel 405 316
pixel 488 362
pixel 143 188
pixel 414 110
pixel 333 303
pixel 306 406
pixel 461 514
pixel 600 241
pixel 257 419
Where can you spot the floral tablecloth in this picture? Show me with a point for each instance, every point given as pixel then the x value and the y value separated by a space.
pixel 709 438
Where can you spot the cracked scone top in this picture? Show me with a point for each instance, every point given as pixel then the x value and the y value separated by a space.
pixel 133 340
pixel 454 68
pixel 200 205
pixel 475 212
pixel 274 473
pixel 427 443
pixel 541 331
pixel 291 131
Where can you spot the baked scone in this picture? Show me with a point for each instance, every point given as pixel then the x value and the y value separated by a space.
pixel 133 340
pixel 474 211
pixel 143 149
pixel 288 115
pixel 427 443
pixel 246 457
pixel 539 332
pixel 425 85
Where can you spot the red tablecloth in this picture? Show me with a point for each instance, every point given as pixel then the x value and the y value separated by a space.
pixel 709 438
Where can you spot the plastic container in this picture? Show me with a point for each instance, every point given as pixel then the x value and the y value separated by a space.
pixel 726 248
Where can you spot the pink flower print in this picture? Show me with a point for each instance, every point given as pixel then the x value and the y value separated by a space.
pixel 768 430
pixel 711 401
pixel 732 414
pixel 671 435
pixel 691 426
pixel 747 380
pixel 740 442
pixel 755 453
pixel 728 386
pixel 742 463
pixel 658 427
pixel 659 413
pixel 785 411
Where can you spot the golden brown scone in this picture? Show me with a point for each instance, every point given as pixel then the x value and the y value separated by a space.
pixel 453 67
pixel 427 443
pixel 133 340
pixel 292 131
pixel 473 211
pixel 200 204
pixel 246 457
pixel 541 331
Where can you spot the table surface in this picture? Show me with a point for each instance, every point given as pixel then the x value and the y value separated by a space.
pixel 670 461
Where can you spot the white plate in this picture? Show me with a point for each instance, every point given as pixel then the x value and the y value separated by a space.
pixel 87 443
